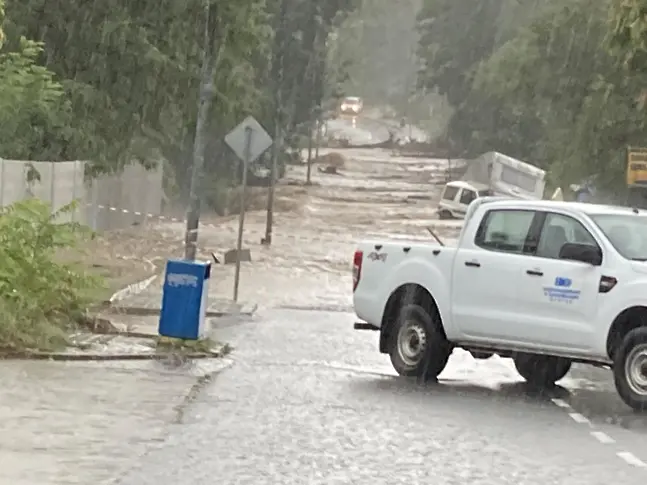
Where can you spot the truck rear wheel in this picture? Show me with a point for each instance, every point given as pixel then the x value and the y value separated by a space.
pixel 630 369
pixel 541 370
pixel 418 347
pixel 444 215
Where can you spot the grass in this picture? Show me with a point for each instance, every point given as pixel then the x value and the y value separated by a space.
pixel 19 332
pixel 123 257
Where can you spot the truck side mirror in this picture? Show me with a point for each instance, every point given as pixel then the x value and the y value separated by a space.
pixel 584 253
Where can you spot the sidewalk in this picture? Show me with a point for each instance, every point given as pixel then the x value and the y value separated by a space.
pixel 80 422
pixel 70 423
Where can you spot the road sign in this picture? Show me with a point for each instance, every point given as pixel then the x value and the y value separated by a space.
pixel 248 140
pixel 237 140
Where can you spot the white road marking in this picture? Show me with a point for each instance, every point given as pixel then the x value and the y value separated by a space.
pixel 561 403
pixel 632 459
pixel 628 457
pixel 603 438
pixel 579 418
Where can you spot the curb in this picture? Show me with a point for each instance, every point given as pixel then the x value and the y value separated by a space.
pixel 141 286
pixel 132 289
pixel 150 312
pixel 62 357
pixel 180 412
pixel 195 390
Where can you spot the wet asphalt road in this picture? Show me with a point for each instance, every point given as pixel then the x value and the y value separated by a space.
pixel 308 400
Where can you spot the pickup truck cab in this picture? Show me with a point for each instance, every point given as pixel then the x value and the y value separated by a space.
pixel 545 283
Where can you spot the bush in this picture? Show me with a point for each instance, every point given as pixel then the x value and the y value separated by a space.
pixel 41 297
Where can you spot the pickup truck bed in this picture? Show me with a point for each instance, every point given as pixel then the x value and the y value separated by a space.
pixel 388 265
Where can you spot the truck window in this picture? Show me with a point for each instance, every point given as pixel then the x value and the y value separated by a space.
pixel 558 230
pixel 467 196
pixel 450 193
pixel 504 230
pixel 626 232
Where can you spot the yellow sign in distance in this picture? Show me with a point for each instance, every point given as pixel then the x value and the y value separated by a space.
pixel 636 166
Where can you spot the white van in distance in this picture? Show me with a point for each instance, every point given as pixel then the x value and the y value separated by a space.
pixel 457 196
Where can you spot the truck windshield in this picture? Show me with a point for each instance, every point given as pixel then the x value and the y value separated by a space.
pixel 627 233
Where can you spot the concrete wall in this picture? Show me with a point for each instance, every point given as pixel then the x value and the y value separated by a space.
pixel 107 202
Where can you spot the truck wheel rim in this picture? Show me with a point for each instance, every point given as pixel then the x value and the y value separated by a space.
pixel 412 342
pixel 636 370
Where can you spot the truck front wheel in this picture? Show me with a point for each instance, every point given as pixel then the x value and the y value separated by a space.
pixel 418 347
pixel 444 215
pixel 630 369
pixel 541 370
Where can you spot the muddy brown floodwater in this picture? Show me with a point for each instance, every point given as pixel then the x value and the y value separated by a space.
pixel 375 195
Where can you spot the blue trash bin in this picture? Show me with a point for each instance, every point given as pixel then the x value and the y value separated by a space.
pixel 184 299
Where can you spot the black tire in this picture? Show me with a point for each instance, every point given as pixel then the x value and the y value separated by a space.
pixel 480 355
pixel 541 370
pixel 434 351
pixel 444 215
pixel 631 357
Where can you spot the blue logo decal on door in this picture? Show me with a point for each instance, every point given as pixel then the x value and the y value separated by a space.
pixel 561 282
pixel 561 291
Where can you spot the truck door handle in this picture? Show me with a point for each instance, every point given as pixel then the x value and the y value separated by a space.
pixel 533 272
pixel 472 264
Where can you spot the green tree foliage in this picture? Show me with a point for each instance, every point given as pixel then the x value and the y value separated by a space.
pixel 131 70
pixel 40 297
pixel 34 114
pixel 454 38
pixel 1 21
pixel 628 32
pixel 376 47
pixel 542 87
pixel 130 73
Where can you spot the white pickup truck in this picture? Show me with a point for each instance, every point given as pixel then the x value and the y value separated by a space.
pixel 544 283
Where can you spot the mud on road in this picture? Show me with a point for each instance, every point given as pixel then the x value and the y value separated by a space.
pixel 316 227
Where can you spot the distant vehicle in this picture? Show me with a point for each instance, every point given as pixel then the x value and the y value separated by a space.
pixel 457 196
pixel 351 105
pixel 503 175
pixel 507 176
pixel 544 283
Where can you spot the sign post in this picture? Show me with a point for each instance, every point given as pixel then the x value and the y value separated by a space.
pixel 248 141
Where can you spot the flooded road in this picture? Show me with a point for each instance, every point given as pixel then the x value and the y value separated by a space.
pixel 316 228
pixel 308 400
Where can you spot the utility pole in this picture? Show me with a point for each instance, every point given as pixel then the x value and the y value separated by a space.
pixel 277 78
pixel 276 153
pixel 318 138
pixel 199 142
pixel 318 62
pixel 309 167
